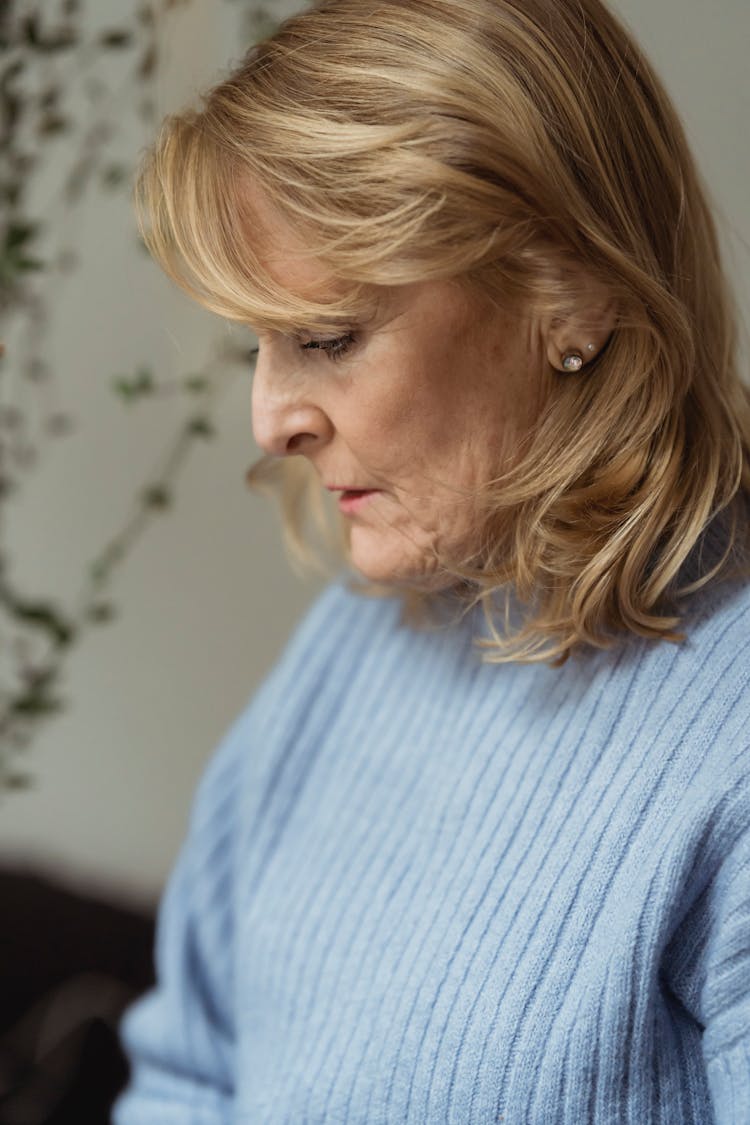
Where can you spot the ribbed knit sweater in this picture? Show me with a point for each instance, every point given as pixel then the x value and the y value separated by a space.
pixel 420 888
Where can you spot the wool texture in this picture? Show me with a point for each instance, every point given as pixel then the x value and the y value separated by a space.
pixel 420 888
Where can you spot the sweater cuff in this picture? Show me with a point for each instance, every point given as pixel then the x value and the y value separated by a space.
pixel 729 1083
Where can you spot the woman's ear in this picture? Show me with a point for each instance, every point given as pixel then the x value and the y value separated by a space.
pixel 576 337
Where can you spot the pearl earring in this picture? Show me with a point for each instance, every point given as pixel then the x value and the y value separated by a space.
pixel 572 361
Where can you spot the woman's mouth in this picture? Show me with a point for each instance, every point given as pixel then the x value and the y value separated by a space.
pixel 353 500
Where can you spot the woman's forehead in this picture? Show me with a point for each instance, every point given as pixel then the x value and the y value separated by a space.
pixel 281 250
pixel 283 266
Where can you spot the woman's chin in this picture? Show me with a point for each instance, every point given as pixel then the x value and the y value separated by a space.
pixel 389 564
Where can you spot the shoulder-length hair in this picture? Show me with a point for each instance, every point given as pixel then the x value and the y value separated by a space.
pixel 496 141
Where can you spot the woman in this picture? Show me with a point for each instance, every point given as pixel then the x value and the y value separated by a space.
pixel 479 850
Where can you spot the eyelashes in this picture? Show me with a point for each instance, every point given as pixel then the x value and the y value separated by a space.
pixel 335 348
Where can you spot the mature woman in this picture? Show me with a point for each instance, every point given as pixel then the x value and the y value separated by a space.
pixel 479 850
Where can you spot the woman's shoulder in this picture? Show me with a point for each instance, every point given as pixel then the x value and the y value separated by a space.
pixel 701 688
pixel 711 671
pixel 716 626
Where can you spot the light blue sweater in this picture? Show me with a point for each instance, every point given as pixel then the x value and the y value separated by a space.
pixel 417 888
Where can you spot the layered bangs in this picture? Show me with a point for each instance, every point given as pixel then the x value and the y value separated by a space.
pixel 195 219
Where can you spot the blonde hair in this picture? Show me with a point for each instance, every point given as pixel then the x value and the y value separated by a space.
pixel 495 141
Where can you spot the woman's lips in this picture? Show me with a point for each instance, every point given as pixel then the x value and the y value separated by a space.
pixel 353 500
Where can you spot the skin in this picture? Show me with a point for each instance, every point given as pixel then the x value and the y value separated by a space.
pixel 428 403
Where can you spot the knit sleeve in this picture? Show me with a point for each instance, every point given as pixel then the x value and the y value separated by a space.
pixel 180 1038
pixel 725 995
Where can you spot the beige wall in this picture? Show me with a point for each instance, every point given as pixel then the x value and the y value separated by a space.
pixel 207 599
pixel 701 51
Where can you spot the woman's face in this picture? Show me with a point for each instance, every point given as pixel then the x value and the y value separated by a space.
pixel 404 418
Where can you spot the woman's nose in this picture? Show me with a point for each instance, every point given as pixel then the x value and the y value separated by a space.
pixel 286 419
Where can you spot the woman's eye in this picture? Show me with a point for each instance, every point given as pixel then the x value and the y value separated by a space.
pixel 335 348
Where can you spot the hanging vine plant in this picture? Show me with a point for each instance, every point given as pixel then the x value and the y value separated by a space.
pixel 58 82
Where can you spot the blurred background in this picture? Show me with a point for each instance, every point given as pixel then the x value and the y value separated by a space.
pixel 144 591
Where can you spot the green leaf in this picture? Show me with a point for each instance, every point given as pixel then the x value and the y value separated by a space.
pixel 116 38
pixel 27 265
pixel 144 381
pixel 30 29
pixel 196 384
pixel 14 256
pixel 200 427
pixel 10 192
pixel 42 615
pixel 114 175
pixel 52 124
pixel 32 34
pixel 18 234
pixel 157 496
pixel 121 385
pixel 36 703
pixel 131 387
pixel 16 67
pixel 36 698
pixel 16 781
